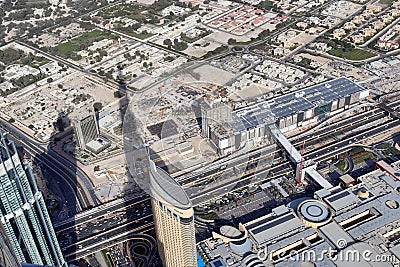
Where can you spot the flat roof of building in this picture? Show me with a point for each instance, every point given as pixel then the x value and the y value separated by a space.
pixel 292 239
pixel 97 144
pixel 217 263
pixel 396 251
pixel 319 249
pixel 389 169
pixel 263 232
pixel 293 103
pixel 341 200
pixel 361 261
pixel 394 184
pixel 336 235
pixel 386 215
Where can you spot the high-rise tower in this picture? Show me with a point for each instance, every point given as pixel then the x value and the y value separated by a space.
pixel 173 220
pixel 23 211
pixel 214 112
pixel 86 129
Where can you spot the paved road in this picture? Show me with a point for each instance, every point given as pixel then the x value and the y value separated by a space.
pixel 104 240
pixel 100 211
pixel 122 233
pixel 78 182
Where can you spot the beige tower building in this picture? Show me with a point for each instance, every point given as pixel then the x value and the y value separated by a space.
pixel 174 221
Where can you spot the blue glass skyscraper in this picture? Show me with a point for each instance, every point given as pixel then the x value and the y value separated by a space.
pixel 23 212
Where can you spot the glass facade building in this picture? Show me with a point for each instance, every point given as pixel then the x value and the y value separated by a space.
pixel 23 212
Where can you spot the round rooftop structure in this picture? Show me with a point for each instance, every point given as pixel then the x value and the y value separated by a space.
pixel 363 193
pixel 314 213
pixel 240 247
pixel 230 231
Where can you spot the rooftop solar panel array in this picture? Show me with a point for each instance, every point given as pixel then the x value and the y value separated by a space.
pixel 272 224
pixel 293 103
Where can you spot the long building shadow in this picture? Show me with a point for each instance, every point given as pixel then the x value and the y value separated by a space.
pixel 148 257
pixel 142 253
pixel 58 176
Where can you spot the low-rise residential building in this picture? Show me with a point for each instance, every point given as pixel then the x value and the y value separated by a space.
pixel 176 10
pixel 368 32
pixel 338 33
pixel 358 19
pixel 349 25
pixel 357 39
pixel 17 71
pixel 377 25
pixel 374 8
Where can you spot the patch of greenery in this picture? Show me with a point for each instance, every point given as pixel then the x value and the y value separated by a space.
pixel 209 216
pixel 142 13
pixel 383 146
pixel 355 54
pixel 81 42
pixel 107 258
pixel 11 56
pixel 169 58
pixel 217 51
pixel 356 150
pixel 114 148
pixel 390 152
pixel 22 82
pixel 386 2
pixel 266 4
pixel 141 35
pixel 341 165
pixel 80 98
pixel 203 34
pixel 176 44
pixel 361 157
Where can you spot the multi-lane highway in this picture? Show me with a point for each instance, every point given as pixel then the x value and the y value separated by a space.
pixel 100 235
pixel 96 229
pixel 100 211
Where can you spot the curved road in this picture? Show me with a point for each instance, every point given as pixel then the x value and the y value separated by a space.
pixel 76 179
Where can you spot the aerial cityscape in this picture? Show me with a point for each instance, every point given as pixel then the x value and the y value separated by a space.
pixel 199 133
